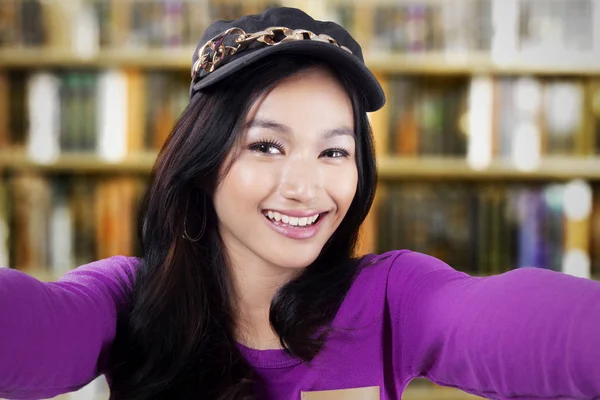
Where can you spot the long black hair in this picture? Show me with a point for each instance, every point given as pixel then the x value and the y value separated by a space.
pixel 175 339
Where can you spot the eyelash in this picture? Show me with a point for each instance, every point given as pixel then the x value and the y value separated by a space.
pixel 344 153
pixel 266 142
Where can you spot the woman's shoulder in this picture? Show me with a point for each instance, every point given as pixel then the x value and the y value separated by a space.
pixel 366 300
pixel 390 278
pixel 115 274
pixel 395 264
pixel 399 273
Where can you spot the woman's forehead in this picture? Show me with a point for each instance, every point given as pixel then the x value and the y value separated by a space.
pixel 313 98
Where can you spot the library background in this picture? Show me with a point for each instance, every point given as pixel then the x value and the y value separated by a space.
pixel 488 148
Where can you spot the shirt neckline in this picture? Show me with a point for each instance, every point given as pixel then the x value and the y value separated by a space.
pixel 272 358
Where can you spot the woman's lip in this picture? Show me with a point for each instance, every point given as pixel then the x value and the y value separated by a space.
pixel 299 232
pixel 295 213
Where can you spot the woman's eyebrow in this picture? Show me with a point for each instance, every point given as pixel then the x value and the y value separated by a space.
pixel 268 124
pixel 343 131
pixel 281 128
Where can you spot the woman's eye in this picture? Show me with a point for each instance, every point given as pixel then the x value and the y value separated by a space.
pixel 267 148
pixel 335 153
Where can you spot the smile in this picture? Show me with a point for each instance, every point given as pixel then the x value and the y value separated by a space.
pixel 294 227
pixel 289 220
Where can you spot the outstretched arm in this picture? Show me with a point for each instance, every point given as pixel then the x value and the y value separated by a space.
pixel 55 337
pixel 527 334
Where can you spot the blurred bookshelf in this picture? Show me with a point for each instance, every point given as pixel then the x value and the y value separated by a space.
pixel 458 169
pixel 390 168
pixel 179 59
pixel 488 146
pixel 79 163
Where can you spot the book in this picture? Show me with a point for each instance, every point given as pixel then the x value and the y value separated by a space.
pixel 4 225
pixel 4 109
pixel 62 258
pixel 592 117
pixel 31 200
pixel 112 115
pixel 562 116
pixel 45 118
pixel 595 235
pixel 115 216
pixel 18 110
pixel 9 19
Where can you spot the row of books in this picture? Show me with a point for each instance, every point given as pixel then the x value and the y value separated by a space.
pixel 419 26
pixel 51 225
pixel 164 23
pixel 498 27
pixel 61 222
pixel 489 229
pixel 109 23
pixel 22 23
pixel 471 26
pixel 549 116
pixel 112 112
pixel 117 112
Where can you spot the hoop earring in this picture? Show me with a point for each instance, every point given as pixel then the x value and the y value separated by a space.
pixel 185 234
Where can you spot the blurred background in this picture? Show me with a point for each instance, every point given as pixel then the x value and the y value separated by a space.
pixel 488 147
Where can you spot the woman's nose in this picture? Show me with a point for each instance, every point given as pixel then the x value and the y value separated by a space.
pixel 300 181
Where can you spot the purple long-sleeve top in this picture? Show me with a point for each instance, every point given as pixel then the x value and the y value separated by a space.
pixel 527 334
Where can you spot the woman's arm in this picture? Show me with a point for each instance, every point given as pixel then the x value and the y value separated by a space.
pixel 527 334
pixel 55 337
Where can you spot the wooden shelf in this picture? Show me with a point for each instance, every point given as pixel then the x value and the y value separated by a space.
pixel 551 168
pixel 468 64
pixel 175 59
pixel 180 59
pixel 390 168
pixel 80 163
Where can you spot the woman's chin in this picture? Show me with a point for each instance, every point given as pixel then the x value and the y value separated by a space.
pixel 294 260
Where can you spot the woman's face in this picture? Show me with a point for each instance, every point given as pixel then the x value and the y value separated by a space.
pixel 294 175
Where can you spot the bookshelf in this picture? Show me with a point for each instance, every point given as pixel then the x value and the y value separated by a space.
pixel 432 168
pixel 442 79
pixel 390 168
pixel 178 59
pixel 79 163
pixel 451 71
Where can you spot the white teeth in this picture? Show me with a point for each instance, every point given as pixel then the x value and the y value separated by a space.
pixel 293 221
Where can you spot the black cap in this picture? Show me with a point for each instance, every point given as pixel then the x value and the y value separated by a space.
pixel 229 46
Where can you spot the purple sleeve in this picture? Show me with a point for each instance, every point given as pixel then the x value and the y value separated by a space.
pixel 528 333
pixel 54 337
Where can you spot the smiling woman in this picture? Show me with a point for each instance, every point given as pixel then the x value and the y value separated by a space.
pixel 294 144
pixel 248 286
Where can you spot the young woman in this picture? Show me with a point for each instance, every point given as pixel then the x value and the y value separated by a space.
pixel 248 287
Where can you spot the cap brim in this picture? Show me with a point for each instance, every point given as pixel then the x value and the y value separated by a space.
pixel 337 57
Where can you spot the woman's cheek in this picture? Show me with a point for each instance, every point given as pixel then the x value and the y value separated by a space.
pixel 252 175
pixel 342 184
